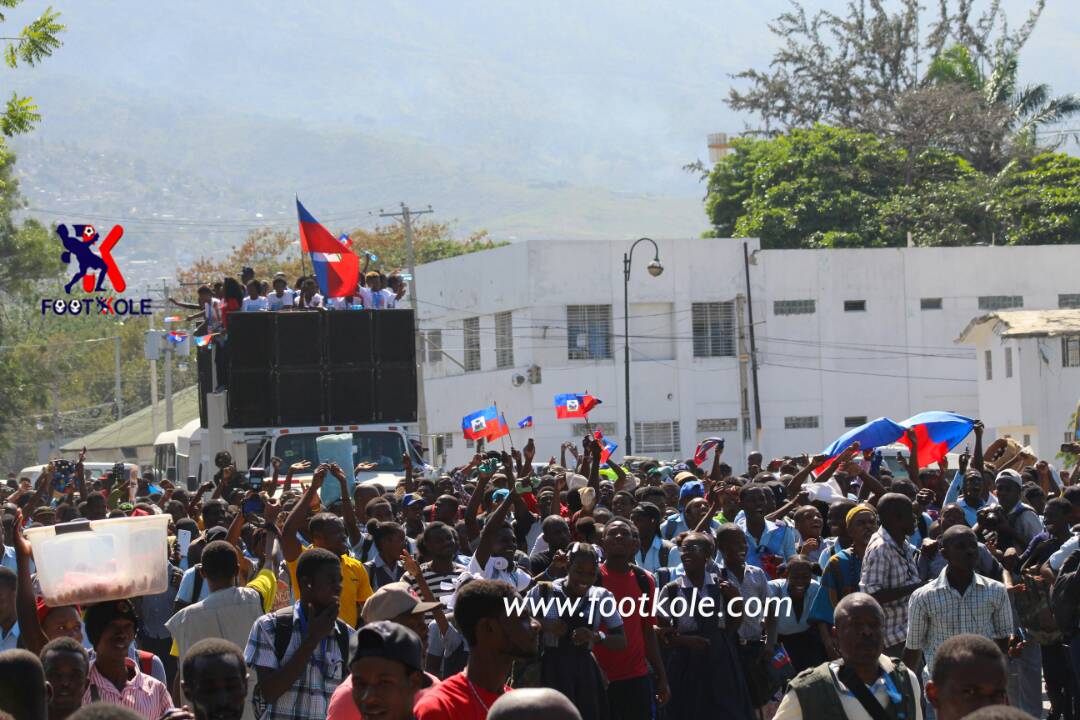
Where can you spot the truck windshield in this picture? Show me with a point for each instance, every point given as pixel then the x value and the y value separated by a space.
pixel 380 447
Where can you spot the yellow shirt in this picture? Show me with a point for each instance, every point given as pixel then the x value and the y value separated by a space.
pixel 355 587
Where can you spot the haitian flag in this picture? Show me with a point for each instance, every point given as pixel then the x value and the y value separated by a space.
pixel 572 405
pixel 703 448
pixel 875 433
pixel 498 430
pixel 477 425
pixel 204 340
pixel 936 433
pixel 526 423
pixel 606 446
pixel 337 268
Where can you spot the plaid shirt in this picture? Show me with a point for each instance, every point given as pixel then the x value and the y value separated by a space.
pixel 937 612
pixel 888 566
pixel 309 696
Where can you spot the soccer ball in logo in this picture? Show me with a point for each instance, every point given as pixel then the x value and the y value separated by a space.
pixel 572 405
pixel 89 233
pixel 59 306
pixel 479 424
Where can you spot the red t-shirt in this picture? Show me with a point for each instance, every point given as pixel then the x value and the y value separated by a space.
pixel 628 663
pixel 455 699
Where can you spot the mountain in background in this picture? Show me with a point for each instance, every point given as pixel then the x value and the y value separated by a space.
pixel 192 123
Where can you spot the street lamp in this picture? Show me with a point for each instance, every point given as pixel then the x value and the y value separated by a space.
pixel 654 268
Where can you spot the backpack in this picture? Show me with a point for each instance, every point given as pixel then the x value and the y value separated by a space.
pixel 283 627
pixel 1065 594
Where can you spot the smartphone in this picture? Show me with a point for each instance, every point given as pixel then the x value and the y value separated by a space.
pixel 255 477
pixel 252 505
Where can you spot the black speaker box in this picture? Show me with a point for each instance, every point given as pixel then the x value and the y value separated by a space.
pixel 301 397
pixel 395 341
pixel 395 392
pixel 298 342
pixel 251 398
pixel 350 396
pixel 349 338
pixel 251 340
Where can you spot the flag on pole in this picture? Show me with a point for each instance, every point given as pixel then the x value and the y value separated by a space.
pixel 526 423
pixel 936 433
pixel 204 340
pixel 703 448
pixel 606 446
pixel 337 268
pixel 176 336
pixel 574 405
pixel 173 319
pixel 484 424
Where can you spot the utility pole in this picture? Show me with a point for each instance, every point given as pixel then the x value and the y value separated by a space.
pixel 406 214
pixel 753 347
pixel 168 358
pixel 118 397
pixel 153 382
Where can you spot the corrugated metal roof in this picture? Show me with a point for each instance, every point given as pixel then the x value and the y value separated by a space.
pixel 1029 323
pixel 137 429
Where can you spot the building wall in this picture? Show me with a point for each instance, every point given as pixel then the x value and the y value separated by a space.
pixel 892 359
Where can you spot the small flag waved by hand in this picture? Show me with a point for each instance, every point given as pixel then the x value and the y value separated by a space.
pixel 526 423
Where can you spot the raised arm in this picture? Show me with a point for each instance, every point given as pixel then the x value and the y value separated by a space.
pixel 797 480
pixel 290 545
pixel 492 527
pixel 977 458
pixel 30 632
pixel 348 514
pixel 472 525
pixel 80 476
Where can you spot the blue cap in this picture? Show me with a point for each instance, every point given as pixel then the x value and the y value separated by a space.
pixel 500 494
pixel 411 499
pixel 690 490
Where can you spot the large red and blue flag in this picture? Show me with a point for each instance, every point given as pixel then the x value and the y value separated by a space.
pixel 875 433
pixel 936 433
pixel 703 448
pixel 606 446
pixel 574 405
pixel 337 268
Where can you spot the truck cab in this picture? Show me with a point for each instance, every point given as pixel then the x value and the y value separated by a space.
pixel 384 445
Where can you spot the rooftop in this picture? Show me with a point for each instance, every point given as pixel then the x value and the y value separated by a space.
pixel 1028 323
pixel 136 429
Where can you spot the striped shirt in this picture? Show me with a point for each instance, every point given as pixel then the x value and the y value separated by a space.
pixel 889 566
pixel 938 611
pixel 142 693
pixel 435 580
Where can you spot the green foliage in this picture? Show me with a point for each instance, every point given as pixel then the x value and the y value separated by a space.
pixel 35 42
pixel 829 187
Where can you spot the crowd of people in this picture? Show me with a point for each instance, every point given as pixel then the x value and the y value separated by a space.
pixel 374 291
pixel 498 590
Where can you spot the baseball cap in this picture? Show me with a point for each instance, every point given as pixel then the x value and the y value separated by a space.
pixel 411 499
pixel 691 490
pixel 1011 476
pixel 684 476
pixel 390 641
pixel 394 599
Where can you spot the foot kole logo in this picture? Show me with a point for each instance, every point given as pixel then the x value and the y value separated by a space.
pixel 93 269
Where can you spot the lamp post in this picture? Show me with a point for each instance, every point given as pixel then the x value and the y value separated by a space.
pixel 654 268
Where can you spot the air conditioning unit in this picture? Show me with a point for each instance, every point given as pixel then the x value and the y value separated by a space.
pixel 517 380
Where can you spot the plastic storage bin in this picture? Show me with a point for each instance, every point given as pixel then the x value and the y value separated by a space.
pixel 86 562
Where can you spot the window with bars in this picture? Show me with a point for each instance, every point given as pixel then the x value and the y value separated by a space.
pixel 794 307
pixel 988 359
pixel 1000 302
pixel 434 346
pixel 588 332
pixel 714 329
pixel 656 437
pixel 800 422
pixel 1070 351
pixel 930 304
pixel 1069 300
pixel 711 425
pixel 471 328
pixel 581 429
pixel 854 306
pixel 504 339
pixel 1008 362
pixel 852 421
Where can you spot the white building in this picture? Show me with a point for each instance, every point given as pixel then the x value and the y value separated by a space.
pixel 1029 374
pixel 842 336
